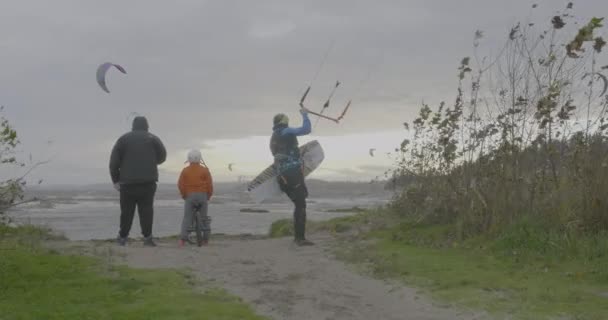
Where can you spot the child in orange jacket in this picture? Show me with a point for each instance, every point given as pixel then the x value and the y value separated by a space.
pixel 196 188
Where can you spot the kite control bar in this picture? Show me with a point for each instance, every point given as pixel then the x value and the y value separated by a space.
pixel 326 104
pixel 345 110
pixel 320 115
pixel 323 116
pixel 315 113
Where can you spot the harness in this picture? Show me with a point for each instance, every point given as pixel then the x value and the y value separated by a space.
pixel 285 151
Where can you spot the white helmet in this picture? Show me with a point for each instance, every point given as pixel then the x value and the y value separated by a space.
pixel 194 156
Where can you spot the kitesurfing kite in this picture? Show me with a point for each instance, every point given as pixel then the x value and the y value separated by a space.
pixel 230 166
pixel 371 151
pixel 601 76
pixel 101 74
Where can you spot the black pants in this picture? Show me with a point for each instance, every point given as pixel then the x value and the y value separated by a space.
pixel 292 183
pixel 142 196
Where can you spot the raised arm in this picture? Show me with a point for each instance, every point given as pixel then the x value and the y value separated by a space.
pixel 304 129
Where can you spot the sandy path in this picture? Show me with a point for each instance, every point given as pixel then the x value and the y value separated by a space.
pixel 283 281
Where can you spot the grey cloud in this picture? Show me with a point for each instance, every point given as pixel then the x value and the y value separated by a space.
pixel 204 70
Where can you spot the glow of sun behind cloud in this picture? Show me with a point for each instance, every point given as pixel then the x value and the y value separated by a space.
pixel 346 157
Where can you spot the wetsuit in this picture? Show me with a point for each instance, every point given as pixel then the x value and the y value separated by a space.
pixel 288 163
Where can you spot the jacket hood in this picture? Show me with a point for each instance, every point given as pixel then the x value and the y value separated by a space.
pixel 140 124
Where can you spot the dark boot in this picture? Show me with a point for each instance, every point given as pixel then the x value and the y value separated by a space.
pixel 148 242
pixel 304 242
pixel 121 241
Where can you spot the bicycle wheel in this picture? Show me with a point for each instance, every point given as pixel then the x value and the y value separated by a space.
pixel 199 228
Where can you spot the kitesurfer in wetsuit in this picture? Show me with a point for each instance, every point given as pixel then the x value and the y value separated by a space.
pixel 288 163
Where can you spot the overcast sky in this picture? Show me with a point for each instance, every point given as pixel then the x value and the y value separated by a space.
pixel 211 74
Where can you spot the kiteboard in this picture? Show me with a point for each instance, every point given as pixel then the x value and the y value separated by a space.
pixel 265 185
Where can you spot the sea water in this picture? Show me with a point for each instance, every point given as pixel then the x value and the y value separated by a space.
pixel 95 215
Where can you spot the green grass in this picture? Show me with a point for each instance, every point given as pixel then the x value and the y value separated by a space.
pixel 351 209
pixel 281 228
pixel 284 227
pixel 36 283
pixel 525 273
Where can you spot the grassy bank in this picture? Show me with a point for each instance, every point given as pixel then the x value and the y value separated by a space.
pixel 526 272
pixel 37 283
pixel 284 227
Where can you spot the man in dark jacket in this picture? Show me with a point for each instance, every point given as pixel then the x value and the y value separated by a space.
pixel 134 172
